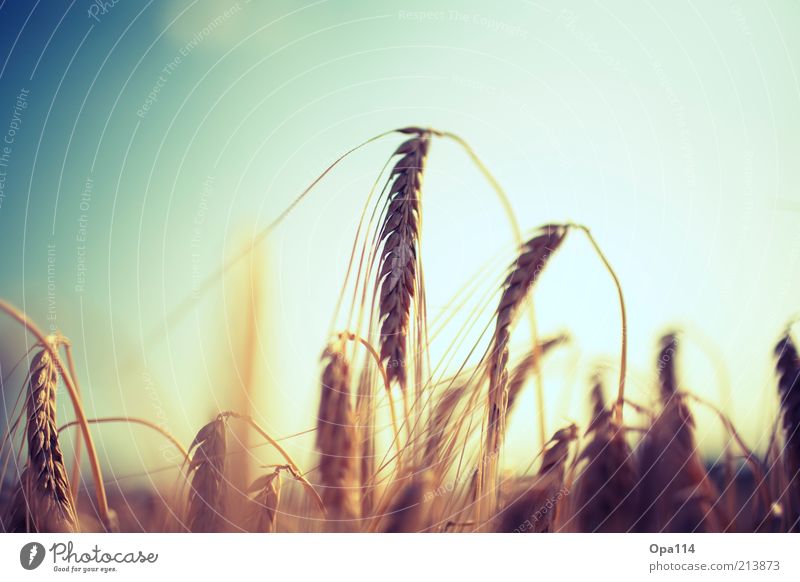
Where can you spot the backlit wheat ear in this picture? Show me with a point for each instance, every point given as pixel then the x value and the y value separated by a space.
pixel 604 499
pixel 337 440
pixel 398 262
pixel 409 513
pixel 207 479
pixel 45 483
pixel 523 275
pixel 268 494
pixel 675 492
pixel 534 508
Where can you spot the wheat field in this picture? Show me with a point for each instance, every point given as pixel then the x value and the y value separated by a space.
pixel 408 443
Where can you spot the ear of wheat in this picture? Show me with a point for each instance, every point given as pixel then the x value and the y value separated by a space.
pixel 409 512
pixel 207 491
pixel 523 275
pixel 45 489
pixel 398 269
pixel 604 500
pixel 534 506
pixel 267 489
pixel 674 487
pixel 337 441
pixel 788 367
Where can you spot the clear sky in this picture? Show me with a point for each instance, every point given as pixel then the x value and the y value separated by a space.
pixel 150 141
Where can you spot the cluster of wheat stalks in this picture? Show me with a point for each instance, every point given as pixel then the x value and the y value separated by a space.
pixel 409 445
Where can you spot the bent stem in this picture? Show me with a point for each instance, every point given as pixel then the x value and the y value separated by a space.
pixel 512 219
pixel 133 420
pixel 292 465
pixel 623 358
pixel 97 475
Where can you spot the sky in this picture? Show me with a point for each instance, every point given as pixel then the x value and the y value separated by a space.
pixel 147 143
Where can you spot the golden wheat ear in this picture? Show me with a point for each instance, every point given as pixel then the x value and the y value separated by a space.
pixel 44 483
pixel 337 442
pixel 206 511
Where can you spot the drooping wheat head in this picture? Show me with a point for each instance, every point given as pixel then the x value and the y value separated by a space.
pixel 524 273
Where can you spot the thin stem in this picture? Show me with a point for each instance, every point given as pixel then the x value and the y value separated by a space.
pixel 293 466
pixel 76 462
pixel 623 359
pixel 133 420
pixel 97 475
pixel 515 228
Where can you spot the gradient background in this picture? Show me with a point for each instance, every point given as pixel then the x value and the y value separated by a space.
pixel 674 134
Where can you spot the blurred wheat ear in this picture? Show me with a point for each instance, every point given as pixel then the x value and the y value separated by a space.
pixel 788 368
pixel 337 441
pixel 205 512
pixel 675 492
pixel 604 500
pixel 267 489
